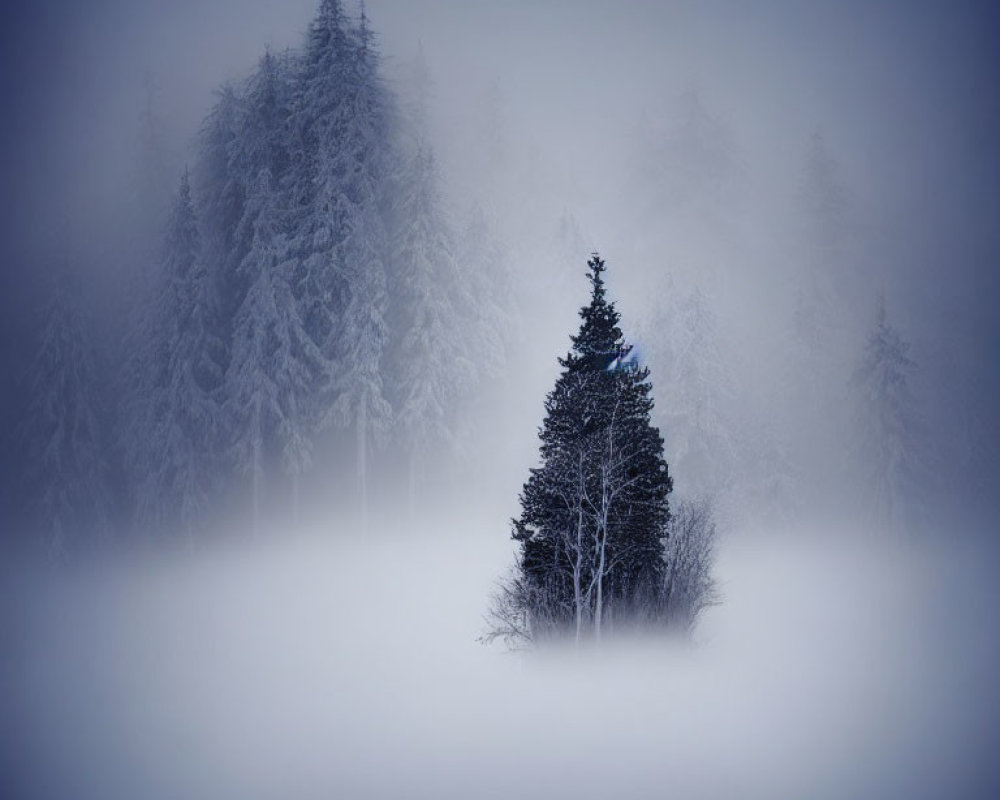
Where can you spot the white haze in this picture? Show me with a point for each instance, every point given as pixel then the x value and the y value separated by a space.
pixel 293 669
pixel 326 663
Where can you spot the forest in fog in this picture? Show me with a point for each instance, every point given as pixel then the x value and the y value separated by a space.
pixel 353 352
pixel 327 288
pixel 302 314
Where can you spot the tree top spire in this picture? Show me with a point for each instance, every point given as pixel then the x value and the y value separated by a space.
pixel 597 269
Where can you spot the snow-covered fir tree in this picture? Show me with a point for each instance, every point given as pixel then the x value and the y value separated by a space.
pixel 151 185
pixel 360 390
pixel 703 389
pixel 698 396
pixel 342 161
pixel 65 479
pixel 416 90
pixel 261 144
pixel 331 275
pixel 268 341
pixel 142 382
pixel 887 436
pixel 489 308
pixel 270 381
pixel 431 363
pixel 273 375
pixel 318 210
pixel 220 194
pixel 367 161
pixel 184 429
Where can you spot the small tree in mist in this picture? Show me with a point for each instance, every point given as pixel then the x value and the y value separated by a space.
pixel 688 585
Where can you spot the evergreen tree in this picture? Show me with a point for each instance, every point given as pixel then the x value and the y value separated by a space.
pixel 887 430
pixel 274 366
pixel 416 88
pixel 142 388
pixel 450 301
pixel 366 145
pixel 699 394
pixel 221 197
pixel 594 514
pixel 295 185
pixel 261 144
pixel 184 429
pixel 151 186
pixel 487 308
pixel 66 472
pixel 704 385
pixel 429 365
pixel 271 375
pixel 342 161
pixel 318 209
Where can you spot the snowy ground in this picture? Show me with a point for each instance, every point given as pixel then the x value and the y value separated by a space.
pixel 310 668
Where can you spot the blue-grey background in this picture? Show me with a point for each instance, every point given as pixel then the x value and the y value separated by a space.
pixel 834 667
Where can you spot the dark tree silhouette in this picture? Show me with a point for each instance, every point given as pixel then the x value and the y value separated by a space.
pixel 595 513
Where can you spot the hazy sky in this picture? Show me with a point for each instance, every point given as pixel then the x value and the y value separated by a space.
pixel 905 92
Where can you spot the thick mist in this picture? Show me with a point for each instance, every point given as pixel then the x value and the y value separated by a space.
pixel 289 668
pixel 774 186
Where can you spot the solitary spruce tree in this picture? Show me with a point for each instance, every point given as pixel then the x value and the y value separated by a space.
pixel 595 513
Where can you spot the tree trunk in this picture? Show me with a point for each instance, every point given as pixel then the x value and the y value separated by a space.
pixel 577 569
pixel 599 605
pixel 607 495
